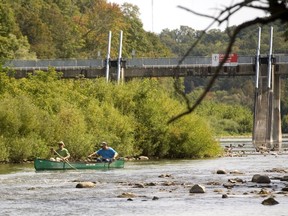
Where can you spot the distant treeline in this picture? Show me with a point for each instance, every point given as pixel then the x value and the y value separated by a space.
pixel 49 29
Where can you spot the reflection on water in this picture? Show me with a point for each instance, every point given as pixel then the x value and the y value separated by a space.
pixel 28 192
pixel 10 168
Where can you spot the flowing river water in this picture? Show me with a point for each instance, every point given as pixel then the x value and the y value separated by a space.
pixel 153 188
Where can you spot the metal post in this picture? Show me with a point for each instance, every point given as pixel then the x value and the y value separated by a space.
pixel 108 56
pixel 271 112
pixel 119 57
pixel 258 58
pixel 270 58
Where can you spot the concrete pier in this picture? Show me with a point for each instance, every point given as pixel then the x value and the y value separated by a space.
pixel 267 133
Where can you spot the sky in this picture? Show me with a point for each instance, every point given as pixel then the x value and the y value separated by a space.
pixel 157 15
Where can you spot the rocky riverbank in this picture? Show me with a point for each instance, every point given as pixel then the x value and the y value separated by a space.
pixel 267 185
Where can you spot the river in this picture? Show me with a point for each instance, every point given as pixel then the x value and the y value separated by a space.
pixel 159 188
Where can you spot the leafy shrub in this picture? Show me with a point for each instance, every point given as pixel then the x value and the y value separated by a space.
pixel 4 154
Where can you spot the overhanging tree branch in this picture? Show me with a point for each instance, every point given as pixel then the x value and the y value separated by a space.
pixel 280 14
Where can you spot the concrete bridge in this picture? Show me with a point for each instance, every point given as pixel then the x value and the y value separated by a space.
pixel 267 133
pixel 143 67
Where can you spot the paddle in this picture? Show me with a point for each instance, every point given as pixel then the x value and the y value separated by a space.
pixel 64 160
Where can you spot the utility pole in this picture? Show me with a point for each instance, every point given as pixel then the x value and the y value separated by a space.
pixel 152 6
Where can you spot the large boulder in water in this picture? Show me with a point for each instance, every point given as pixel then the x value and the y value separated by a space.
pixel 270 201
pixel 197 189
pixel 261 179
pixel 221 171
pixel 85 185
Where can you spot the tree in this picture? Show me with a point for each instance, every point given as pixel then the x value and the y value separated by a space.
pixel 66 38
pixel 140 42
pixel 13 44
pixel 29 18
pixel 97 18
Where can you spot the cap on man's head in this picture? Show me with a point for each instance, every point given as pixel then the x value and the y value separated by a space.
pixel 103 143
pixel 61 143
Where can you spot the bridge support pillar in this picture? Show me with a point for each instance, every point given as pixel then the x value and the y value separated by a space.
pixel 267 134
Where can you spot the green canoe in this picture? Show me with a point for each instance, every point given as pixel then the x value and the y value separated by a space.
pixel 43 164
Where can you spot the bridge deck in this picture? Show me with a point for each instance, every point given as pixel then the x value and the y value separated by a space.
pixel 145 67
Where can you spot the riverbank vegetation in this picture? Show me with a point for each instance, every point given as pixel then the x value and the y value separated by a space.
pixel 38 111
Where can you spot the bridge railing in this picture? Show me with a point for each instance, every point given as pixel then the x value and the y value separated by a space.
pixel 57 63
pixel 134 62
pixel 282 59
pixel 146 62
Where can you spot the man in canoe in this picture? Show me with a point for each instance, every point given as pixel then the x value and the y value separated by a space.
pixel 106 153
pixel 62 154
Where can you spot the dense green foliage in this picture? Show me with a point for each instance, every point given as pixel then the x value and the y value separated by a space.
pixel 47 29
pixel 38 111
pixel 79 29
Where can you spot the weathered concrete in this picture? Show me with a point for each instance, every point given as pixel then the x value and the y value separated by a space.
pixel 267 116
